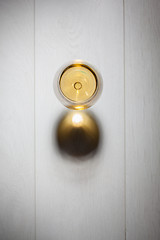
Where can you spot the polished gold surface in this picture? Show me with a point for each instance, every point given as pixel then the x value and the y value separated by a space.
pixel 78 83
pixel 78 133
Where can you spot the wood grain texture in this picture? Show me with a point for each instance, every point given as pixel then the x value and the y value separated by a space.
pixel 143 119
pixel 80 199
pixel 16 120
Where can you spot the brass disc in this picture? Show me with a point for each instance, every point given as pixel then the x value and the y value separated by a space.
pixel 78 83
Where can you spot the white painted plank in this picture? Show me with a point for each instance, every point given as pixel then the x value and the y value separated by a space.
pixel 143 119
pixel 80 199
pixel 16 120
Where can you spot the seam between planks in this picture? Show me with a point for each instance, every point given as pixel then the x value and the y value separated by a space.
pixel 124 71
pixel 34 63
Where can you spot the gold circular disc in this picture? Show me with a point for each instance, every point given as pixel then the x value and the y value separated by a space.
pixel 78 82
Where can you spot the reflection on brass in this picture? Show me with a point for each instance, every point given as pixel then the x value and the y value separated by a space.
pixel 78 133
pixel 78 82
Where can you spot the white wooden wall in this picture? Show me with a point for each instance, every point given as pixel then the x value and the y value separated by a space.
pixel 114 195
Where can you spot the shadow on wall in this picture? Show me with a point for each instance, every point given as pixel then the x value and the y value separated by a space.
pixel 78 134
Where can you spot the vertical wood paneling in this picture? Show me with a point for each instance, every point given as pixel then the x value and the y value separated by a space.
pixel 80 199
pixel 16 120
pixel 143 119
